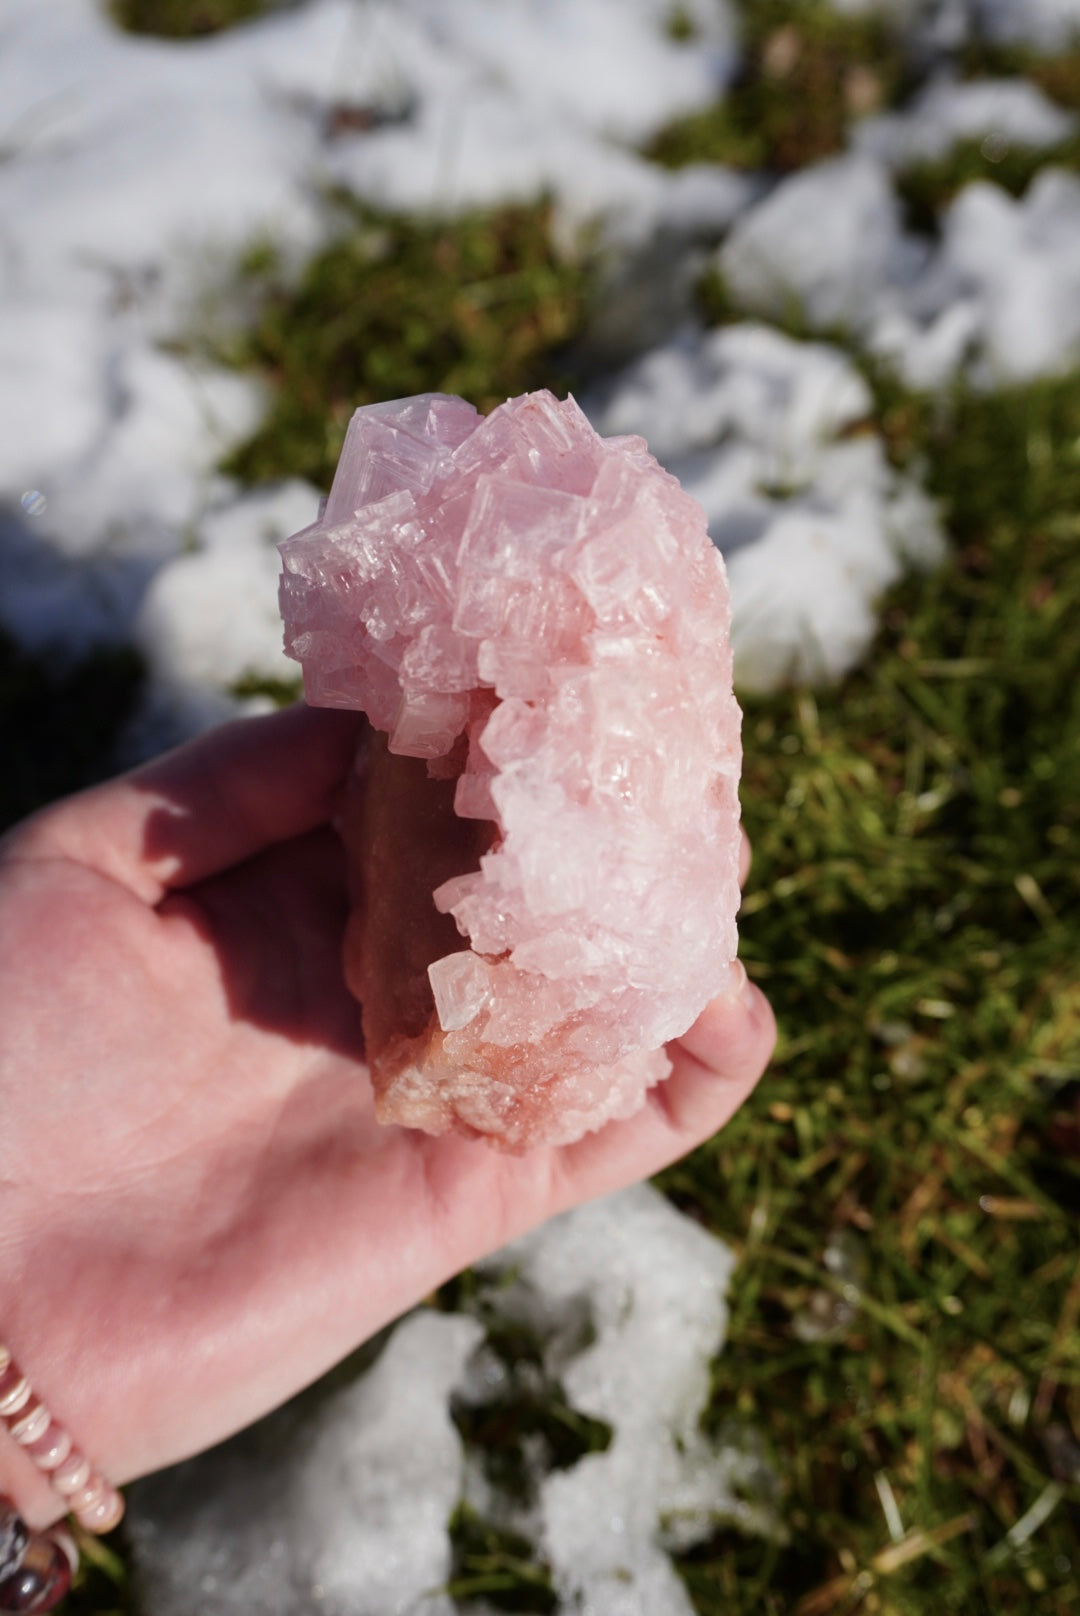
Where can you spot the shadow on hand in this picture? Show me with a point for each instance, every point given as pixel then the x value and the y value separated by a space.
pixel 275 924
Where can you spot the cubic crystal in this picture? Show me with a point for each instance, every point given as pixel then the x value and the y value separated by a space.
pixel 535 619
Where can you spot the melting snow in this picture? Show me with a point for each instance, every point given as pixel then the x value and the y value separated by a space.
pixel 343 1508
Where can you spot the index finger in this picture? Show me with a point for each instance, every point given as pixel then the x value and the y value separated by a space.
pixel 204 807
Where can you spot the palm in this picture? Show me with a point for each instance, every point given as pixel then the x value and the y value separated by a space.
pixel 200 1213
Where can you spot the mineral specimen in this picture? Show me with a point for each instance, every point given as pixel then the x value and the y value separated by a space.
pixel 544 838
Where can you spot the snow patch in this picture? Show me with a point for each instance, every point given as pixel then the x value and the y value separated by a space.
pixel 345 1507
pixel 651 1286
pixel 1007 112
pixel 813 521
pixel 1049 25
pixel 343 1510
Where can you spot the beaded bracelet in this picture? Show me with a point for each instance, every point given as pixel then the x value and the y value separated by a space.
pixel 35 1567
pixel 94 1502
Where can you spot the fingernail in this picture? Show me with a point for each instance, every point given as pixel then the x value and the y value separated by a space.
pixel 738 987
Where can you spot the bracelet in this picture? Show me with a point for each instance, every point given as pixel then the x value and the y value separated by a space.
pixel 35 1567
pixel 94 1502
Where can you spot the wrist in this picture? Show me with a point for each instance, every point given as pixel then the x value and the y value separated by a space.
pixel 26 1488
pixel 42 1470
pixel 35 1567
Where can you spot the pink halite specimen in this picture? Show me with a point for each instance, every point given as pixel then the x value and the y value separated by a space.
pixel 538 614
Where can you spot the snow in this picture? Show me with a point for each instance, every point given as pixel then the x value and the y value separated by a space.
pixel 1048 25
pixel 138 170
pixel 814 523
pixel 512 101
pixel 1006 112
pixel 189 622
pixel 824 242
pixel 1000 301
pixel 649 1287
pixel 345 1506
pixel 342 1507
pixel 996 301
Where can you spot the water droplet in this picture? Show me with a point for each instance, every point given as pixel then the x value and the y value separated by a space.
pixel 33 502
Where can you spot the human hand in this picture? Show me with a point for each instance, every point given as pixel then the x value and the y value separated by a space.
pixel 198 1212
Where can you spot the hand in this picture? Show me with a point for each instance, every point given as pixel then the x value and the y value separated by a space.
pixel 198 1212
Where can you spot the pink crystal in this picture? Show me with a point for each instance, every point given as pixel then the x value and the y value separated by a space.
pixel 539 615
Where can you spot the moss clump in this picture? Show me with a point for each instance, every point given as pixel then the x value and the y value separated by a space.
pixel 59 726
pixel 807 72
pixel 482 305
pixel 185 19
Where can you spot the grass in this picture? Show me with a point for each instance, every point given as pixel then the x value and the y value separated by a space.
pixel 807 71
pixel 914 915
pixel 927 188
pixel 482 305
pixel 904 1191
pixel 528 1426
pixel 1057 75
pixel 185 19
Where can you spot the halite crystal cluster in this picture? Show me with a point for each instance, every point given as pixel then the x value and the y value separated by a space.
pixel 536 619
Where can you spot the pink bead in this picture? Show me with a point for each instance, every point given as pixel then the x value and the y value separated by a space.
pixel 32 1425
pixel 72 1476
pixel 15 1392
pixel 66 1544
pixel 110 1514
pixel 99 1507
pixel 95 1502
pixel 51 1449
pixel 41 1578
pixel 87 1497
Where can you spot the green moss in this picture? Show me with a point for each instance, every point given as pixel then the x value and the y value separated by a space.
pixel 482 305
pixel 680 25
pixel 282 692
pixel 185 19
pixel 807 72
pixel 58 727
